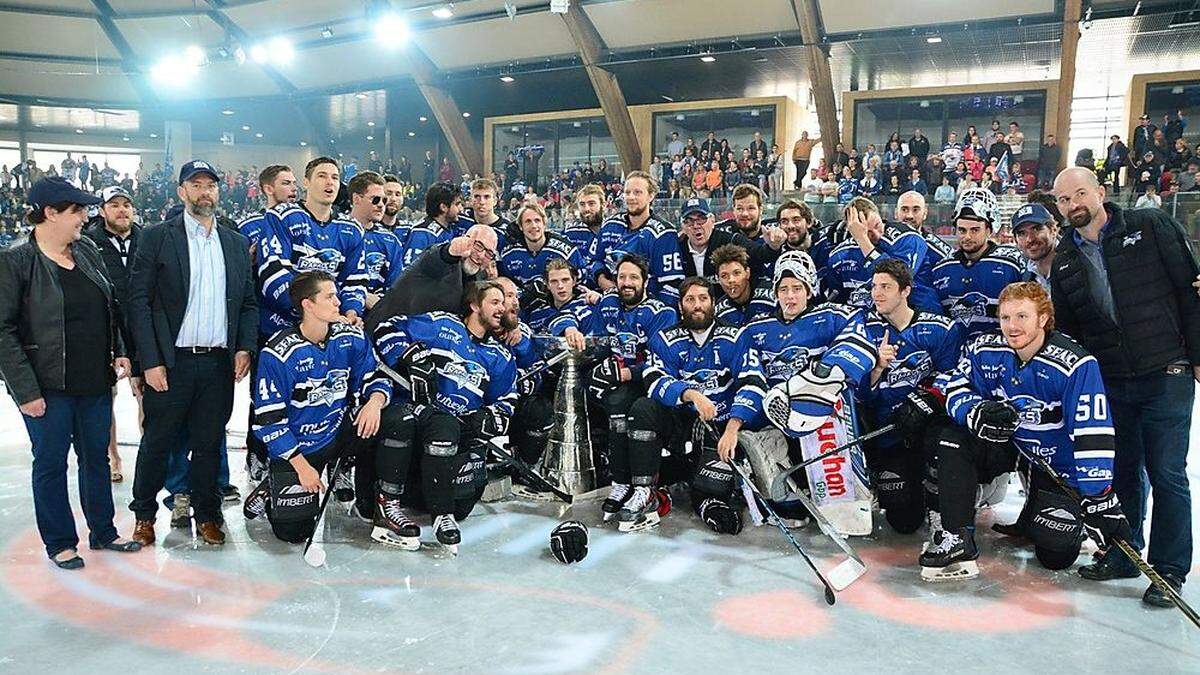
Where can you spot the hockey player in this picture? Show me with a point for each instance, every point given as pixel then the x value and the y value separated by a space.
pixel 534 411
pixel 584 233
pixel 310 378
pixel 638 231
pixel 913 348
pixel 383 250
pixel 309 236
pixel 460 393
pixel 912 211
pixel 968 283
pixel 443 203
pixel 564 300
pixel 524 258
pixel 482 211
pixel 393 190
pixel 1033 388
pixel 852 263
pixel 743 300
pixel 693 372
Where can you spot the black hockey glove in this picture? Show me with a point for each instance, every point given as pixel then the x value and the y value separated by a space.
pixel 528 384
pixel 915 411
pixel 569 542
pixel 720 517
pixel 420 365
pixel 1103 519
pixel 606 375
pixel 993 421
pixel 492 423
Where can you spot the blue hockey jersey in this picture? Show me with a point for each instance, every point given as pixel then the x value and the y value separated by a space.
pixel 760 303
pixel 303 390
pixel 1059 395
pixel 384 259
pixel 425 234
pixel 521 265
pixel 503 227
pixel 472 372
pixel 630 328
pixel 296 242
pixel 587 243
pixel 255 229
pixel 849 280
pixel 969 290
pixel 677 363
pixel 657 241
pixel 832 334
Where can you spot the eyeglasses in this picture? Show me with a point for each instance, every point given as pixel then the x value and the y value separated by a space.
pixel 483 250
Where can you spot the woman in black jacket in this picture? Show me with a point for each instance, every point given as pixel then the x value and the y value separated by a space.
pixel 60 354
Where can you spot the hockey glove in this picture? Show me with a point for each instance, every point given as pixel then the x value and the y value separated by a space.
pixel 492 423
pixel 606 376
pixel 528 384
pixel 993 421
pixel 421 367
pixel 915 411
pixel 569 542
pixel 720 517
pixel 1103 519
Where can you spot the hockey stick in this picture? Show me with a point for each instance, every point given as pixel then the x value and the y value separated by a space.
pixel 830 598
pixel 535 479
pixel 314 548
pixel 777 483
pixel 1134 557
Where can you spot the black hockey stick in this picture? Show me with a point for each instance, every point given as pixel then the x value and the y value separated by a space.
pixel 535 480
pixel 830 597
pixel 314 548
pixel 778 481
pixel 1134 557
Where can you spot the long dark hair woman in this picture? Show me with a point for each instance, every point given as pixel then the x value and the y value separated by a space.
pixel 60 354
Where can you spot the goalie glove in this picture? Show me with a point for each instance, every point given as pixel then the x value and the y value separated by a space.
pixel 992 421
pixel 1103 519
pixel 720 517
pixel 569 542
pixel 803 403
pixel 915 411
pixel 419 363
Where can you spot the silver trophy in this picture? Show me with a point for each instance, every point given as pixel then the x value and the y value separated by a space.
pixel 567 461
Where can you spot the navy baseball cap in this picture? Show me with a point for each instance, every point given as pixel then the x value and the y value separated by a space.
pixel 195 167
pixel 694 205
pixel 57 190
pixel 112 192
pixel 1029 214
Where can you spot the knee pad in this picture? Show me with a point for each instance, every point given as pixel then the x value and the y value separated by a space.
pixel 1055 523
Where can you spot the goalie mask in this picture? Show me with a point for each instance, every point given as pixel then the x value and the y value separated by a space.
pixel 799 265
pixel 977 204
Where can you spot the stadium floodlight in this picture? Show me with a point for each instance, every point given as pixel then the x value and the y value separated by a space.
pixel 391 30
pixel 259 54
pixel 176 69
pixel 560 6
pixel 444 12
pixel 281 50
pixel 194 56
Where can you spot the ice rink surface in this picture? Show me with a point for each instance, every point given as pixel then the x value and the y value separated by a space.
pixel 679 599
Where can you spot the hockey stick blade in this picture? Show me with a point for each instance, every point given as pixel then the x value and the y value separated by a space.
pixel 847 572
pixel 1131 553
pixel 314 548
pixel 777 483
pixel 535 479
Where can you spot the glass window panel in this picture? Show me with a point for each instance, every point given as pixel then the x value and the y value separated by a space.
pixel 604 149
pixel 1171 98
pixel 926 114
pixel 735 125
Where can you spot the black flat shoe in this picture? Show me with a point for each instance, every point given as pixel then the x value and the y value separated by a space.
pixel 72 563
pixel 1154 595
pixel 1112 565
pixel 127 547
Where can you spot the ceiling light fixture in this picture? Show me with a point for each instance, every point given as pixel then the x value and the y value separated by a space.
pixel 326 32
pixel 391 31
pixel 423 118
pixel 360 95
pixel 258 135
pixel 444 12
pixel 370 138
pixel 303 144
pixel 370 124
pixel 227 111
pixel 466 114
pixel 411 134
pixel 79 131
pixel 933 39
pixel 708 58
pixel 506 79
pixel 245 127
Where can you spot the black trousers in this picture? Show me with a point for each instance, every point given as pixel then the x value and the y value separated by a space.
pixel 199 398
pixel 801 170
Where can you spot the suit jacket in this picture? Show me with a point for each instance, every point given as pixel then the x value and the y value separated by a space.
pixel 158 292
pixel 761 255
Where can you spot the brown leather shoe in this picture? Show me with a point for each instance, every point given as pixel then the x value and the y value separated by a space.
pixel 143 532
pixel 211 533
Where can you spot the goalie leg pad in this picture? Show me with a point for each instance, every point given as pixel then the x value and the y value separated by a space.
pixel 767 451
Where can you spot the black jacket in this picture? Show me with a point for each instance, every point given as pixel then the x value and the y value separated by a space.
pixel 158 292
pixel 1150 271
pixel 32 341
pixel 433 283
pixel 118 273
pixel 761 255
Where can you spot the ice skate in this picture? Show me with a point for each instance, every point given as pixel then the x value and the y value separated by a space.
pixel 343 486
pixel 616 499
pixel 950 556
pixel 445 527
pixel 640 511
pixel 256 469
pixel 255 504
pixel 394 528
pixel 522 491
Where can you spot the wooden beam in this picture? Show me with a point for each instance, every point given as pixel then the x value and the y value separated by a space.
pixel 820 77
pixel 612 101
pixel 1072 10
pixel 445 110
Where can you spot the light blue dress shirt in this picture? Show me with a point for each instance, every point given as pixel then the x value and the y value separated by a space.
pixel 204 321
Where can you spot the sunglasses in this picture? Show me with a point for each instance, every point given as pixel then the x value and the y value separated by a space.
pixel 377 199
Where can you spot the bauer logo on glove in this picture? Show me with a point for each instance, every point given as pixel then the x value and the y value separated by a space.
pixel 569 542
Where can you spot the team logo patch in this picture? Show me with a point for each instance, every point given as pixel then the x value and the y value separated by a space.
pixel 970 308
pixel 326 259
pixel 910 370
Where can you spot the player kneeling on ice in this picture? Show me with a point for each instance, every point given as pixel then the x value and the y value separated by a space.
pixel 459 395
pixel 693 372
pixel 1031 392
pixel 309 377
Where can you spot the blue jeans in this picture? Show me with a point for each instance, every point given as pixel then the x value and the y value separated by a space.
pixel 82 421
pixel 177 470
pixel 1152 416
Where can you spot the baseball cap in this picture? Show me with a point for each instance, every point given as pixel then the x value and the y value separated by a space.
pixel 195 167
pixel 1144 117
pixel 694 205
pixel 1031 214
pixel 56 190
pixel 112 192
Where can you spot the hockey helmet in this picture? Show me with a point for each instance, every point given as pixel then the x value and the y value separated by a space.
pixel 797 264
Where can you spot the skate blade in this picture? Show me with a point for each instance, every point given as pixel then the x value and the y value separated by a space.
pixel 527 493
pixel 452 549
pixel 959 571
pixel 389 538
pixel 846 573
pixel 648 521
